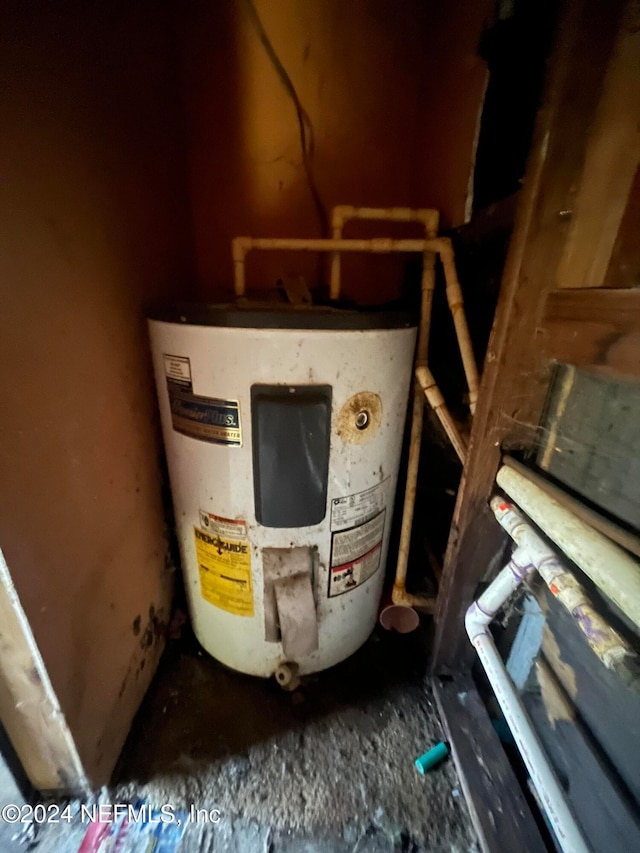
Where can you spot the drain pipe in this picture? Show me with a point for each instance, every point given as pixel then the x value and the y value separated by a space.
pixel 477 621
pixel 533 554
pixel 478 618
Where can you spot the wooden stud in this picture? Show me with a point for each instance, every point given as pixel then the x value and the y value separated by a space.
pixel 29 709
pixel 611 161
pixel 499 811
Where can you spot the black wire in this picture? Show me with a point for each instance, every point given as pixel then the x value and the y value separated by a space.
pixel 305 126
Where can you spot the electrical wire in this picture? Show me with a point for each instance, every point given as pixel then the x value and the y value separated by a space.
pixel 305 127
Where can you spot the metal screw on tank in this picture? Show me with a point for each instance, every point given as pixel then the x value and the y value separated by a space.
pixel 362 419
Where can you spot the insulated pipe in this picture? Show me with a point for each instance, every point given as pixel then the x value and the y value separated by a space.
pixel 608 528
pixel 439 406
pixel 610 568
pixel 477 621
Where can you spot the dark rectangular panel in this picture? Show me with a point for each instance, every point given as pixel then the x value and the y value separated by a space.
pixel 591 440
pixel 291 429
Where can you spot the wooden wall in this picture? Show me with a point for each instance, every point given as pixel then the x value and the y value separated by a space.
pixel 393 91
pixel 133 147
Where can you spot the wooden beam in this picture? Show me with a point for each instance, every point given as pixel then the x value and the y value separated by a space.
pixel 516 375
pixel 624 268
pixel 29 709
pixel 611 161
pixel 593 328
pixel 500 814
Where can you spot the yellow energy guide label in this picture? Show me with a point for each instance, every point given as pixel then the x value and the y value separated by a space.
pixel 225 572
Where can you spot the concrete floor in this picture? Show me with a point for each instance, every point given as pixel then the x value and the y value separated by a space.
pixel 326 769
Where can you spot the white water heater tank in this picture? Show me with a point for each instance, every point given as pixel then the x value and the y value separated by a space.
pixel 283 431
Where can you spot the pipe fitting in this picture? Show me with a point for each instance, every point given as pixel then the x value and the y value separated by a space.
pixel 428 385
pixel 402 598
pixel 610 567
pixel 522 533
pixel 339 215
pixel 614 652
pixel 476 622
pixel 239 247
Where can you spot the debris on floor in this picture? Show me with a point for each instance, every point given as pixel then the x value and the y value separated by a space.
pixel 329 764
pixel 225 763
pixel 432 758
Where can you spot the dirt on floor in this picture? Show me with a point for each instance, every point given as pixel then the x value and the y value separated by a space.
pixel 326 769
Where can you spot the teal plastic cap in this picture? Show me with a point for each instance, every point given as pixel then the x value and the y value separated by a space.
pixel 432 758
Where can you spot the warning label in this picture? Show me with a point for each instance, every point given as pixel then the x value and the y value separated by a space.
pixel 355 555
pixel 353 510
pixel 177 369
pixel 228 528
pixel 225 572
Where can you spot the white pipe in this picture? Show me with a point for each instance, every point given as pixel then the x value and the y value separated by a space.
pixel 429 220
pixel 343 213
pixel 437 402
pixel 441 246
pixel 612 650
pixel 241 246
pixel 629 541
pixel 477 620
pixel 610 568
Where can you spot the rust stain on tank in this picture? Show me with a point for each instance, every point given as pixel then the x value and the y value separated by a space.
pixel 360 418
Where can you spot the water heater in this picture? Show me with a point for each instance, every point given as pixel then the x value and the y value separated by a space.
pixel 283 431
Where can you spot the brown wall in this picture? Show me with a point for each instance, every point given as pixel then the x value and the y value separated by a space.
pixel 93 222
pixel 393 90
pixel 95 219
